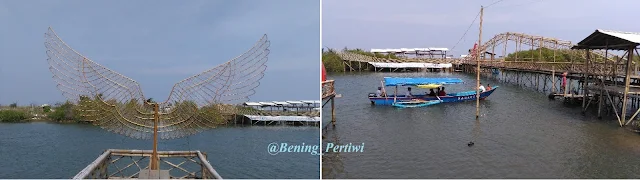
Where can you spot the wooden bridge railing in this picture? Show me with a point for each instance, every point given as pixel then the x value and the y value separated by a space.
pixel 595 68
pixel 349 56
pixel 128 164
pixel 328 89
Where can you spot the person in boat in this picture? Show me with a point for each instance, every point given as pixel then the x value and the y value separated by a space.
pixel 442 92
pixel 379 93
pixel 409 92
pixel 482 89
pixel 488 87
pixel 432 93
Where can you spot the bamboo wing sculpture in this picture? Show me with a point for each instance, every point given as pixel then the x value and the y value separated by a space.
pixel 117 104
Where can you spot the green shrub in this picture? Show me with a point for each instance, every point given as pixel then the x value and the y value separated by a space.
pixel 64 112
pixel 12 116
pixel 46 109
pixel 332 62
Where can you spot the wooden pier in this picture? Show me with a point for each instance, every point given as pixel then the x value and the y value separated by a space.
pixel 597 74
pixel 329 95
pixel 288 120
pixel 594 75
pixel 129 164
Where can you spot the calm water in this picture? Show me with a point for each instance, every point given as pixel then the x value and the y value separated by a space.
pixel 521 134
pixel 44 150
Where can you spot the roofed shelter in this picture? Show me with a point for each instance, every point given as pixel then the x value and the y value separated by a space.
pixel 611 40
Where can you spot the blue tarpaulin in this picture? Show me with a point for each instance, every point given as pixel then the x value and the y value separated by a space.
pixel 394 81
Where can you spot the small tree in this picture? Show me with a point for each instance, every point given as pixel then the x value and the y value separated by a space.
pixel 13 105
pixel 46 109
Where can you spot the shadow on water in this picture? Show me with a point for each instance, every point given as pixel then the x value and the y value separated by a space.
pixel 520 134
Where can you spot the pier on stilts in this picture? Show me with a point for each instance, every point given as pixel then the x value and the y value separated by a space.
pixel 596 74
pixel 358 62
pixel 328 96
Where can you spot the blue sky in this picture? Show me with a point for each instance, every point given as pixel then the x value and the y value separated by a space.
pixel 159 43
pixel 370 24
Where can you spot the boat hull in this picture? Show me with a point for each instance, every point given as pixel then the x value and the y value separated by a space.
pixel 452 97
pixel 412 105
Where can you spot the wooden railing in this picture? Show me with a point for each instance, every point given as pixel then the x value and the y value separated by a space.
pixel 328 89
pixel 595 68
pixel 128 164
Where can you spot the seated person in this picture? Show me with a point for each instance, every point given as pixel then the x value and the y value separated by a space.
pixel 379 93
pixel 442 92
pixel 409 95
pixel 431 92
pixel 488 87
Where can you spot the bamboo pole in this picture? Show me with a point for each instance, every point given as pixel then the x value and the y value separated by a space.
pixel 395 94
pixel 333 112
pixel 553 79
pixel 585 74
pixel 518 47
pixel 478 66
pixel 504 53
pixel 626 84
pixel 602 86
pixel 154 156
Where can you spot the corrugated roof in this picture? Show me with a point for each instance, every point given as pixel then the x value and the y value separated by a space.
pixel 281 103
pixel 252 104
pixel 267 103
pixel 615 40
pixel 308 101
pixel 294 102
pixel 283 118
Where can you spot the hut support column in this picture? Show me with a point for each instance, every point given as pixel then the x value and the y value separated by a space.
pixel 627 82
pixel 585 82
pixel 553 79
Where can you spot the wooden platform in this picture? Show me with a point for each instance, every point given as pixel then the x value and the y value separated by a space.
pixel 569 95
pixel 615 90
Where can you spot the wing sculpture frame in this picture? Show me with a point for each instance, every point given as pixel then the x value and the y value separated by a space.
pixel 116 103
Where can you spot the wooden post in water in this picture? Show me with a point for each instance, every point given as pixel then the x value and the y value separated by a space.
pixel 154 156
pixel 553 79
pixel 333 112
pixel 478 66
pixel 627 82
pixel 585 83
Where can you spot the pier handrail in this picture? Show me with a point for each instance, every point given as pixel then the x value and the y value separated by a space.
pixel 102 162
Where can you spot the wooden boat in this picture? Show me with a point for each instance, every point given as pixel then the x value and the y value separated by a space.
pixel 416 103
pixel 390 99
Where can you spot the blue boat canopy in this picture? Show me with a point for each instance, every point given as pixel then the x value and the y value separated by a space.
pixel 394 81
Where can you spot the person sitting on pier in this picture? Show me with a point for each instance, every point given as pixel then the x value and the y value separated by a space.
pixel 379 93
pixel 488 87
pixel 482 89
pixel 409 92
pixel 442 92
pixel 431 92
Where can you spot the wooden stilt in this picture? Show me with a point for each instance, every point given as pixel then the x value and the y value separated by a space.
pixel 154 155
pixel 626 85
pixel 478 66
pixel 333 112
pixel 585 83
